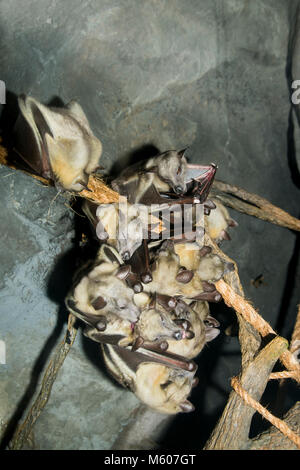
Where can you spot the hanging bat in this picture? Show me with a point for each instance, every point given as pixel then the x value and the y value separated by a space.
pixel 202 325
pixel 124 228
pixel 192 282
pixel 156 325
pixel 218 222
pixel 57 143
pixel 102 293
pixel 161 381
pixel 150 181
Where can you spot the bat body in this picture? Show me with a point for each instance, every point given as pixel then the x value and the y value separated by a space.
pixel 122 227
pixel 165 178
pixel 193 280
pixel 218 222
pixel 57 143
pixel 164 172
pixel 162 387
pixel 104 293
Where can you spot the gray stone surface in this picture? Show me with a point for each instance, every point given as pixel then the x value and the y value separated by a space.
pixel 168 73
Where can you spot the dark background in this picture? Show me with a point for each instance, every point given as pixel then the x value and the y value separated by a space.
pixel 213 75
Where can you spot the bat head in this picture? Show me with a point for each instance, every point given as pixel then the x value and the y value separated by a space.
pixel 164 389
pixel 103 290
pixel 155 324
pixel 171 168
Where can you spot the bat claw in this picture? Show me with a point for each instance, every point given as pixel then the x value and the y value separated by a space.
pixel 123 272
pixel 232 223
pixel 138 288
pixel 213 296
pixel 195 382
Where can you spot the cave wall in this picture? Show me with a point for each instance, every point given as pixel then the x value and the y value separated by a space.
pixel 208 74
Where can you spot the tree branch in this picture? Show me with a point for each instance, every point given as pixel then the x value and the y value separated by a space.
pixel 232 430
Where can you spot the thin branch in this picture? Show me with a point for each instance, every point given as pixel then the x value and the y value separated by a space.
pixel 272 439
pixel 252 204
pixel 24 430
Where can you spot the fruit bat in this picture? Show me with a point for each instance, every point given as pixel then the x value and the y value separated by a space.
pixel 150 181
pixel 218 222
pixel 124 228
pixel 103 293
pixel 57 143
pixel 192 282
pixel 161 381
pixel 202 325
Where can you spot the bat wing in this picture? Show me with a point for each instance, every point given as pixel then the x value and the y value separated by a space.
pixel 29 138
pixel 134 358
pixel 126 188
pixel 200 178
pixel 152 196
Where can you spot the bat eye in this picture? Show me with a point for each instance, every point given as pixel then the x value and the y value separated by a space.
pixel 177 335
pixel 126 256
pixel 179 170
pixel 178 190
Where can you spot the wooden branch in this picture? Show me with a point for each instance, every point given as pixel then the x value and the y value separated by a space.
pixel 232 430
pixel 272 439
pixel 248 336
pixel 251 204
pixel 24 430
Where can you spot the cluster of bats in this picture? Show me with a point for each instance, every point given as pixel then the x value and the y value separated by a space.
pixel 145 301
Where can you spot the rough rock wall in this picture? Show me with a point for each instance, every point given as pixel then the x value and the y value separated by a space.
pixel 210 74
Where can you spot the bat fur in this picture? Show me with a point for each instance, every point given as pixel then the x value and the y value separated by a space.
pixel 57 143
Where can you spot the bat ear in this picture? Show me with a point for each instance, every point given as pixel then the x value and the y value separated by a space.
pixel 182 152
pixel 186 406
pixel 109 255
pixel 78 113
pixel 211 333
pixel 123 271
pixel 232 223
